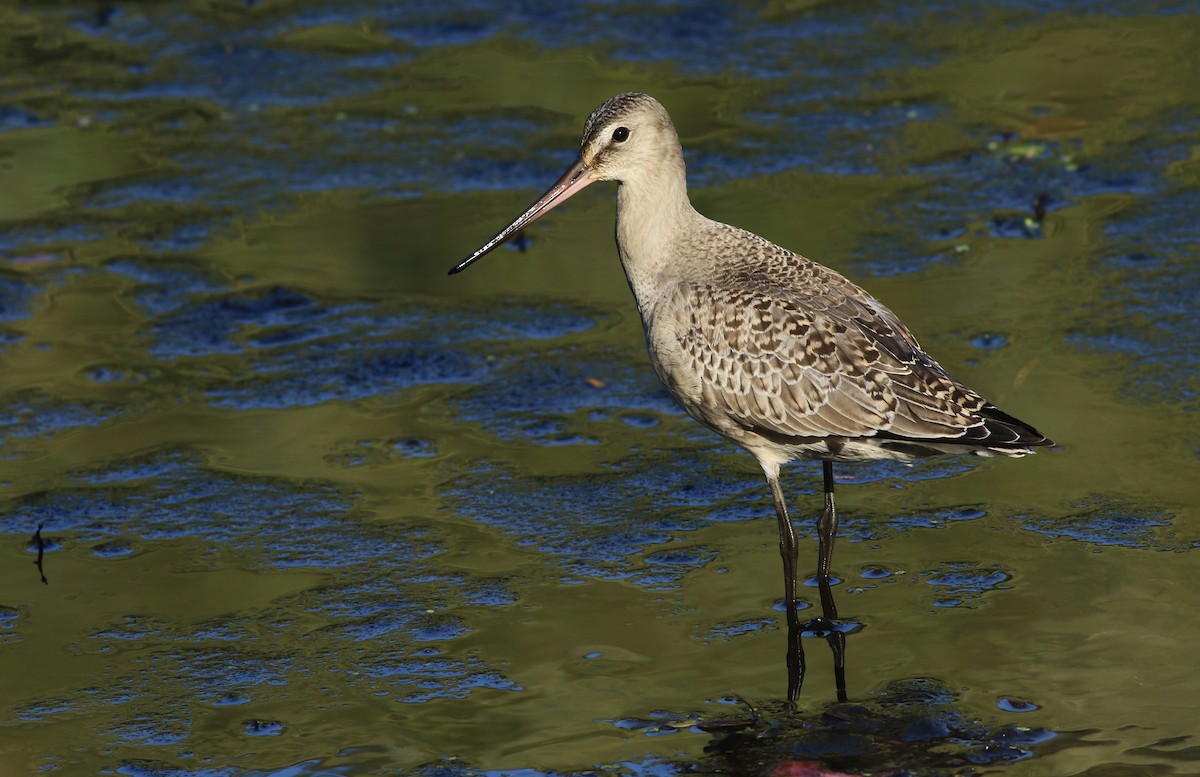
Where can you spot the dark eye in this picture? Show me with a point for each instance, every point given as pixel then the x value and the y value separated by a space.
pixel 621 134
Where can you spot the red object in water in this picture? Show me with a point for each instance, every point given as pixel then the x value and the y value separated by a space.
pixel 808 769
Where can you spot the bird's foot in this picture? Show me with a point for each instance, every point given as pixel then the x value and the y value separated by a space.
pixel 821 626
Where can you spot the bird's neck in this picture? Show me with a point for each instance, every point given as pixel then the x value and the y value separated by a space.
pixel 654 217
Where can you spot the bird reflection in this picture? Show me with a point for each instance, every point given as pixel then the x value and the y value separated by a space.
pixel 907 726
pixel 827 626
pixel 36 541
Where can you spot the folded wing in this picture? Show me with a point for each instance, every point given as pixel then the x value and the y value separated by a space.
pixel 786 364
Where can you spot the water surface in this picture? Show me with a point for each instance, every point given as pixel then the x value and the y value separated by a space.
pixel 309 506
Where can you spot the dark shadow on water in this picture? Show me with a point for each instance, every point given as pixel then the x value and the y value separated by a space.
pixel 911 726
pixel 37 541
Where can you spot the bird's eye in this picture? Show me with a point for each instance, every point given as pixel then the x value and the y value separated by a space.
pixel 621 134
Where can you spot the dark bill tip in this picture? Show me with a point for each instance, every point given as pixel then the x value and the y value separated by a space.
pixel 572 181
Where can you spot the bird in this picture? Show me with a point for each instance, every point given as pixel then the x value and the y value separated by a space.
pixel 781 355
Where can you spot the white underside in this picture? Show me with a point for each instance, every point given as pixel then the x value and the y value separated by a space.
pixel 771 456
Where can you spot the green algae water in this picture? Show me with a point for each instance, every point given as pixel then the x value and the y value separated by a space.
pixel 307 506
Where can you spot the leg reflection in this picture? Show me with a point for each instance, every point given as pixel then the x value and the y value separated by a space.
pixel 824 625
pixel 788 552
pixel 833 635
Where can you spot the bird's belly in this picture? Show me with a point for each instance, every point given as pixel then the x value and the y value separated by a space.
pixel 852 449
pixel 866 449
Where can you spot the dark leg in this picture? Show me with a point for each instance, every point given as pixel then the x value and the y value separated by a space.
pixel 826 533
pixel 789 553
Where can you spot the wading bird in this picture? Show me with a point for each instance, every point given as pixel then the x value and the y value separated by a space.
pixel 775 352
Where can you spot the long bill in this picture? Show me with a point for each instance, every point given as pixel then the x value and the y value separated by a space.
pixel 575 179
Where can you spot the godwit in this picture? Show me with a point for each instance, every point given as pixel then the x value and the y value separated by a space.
pixel 775 352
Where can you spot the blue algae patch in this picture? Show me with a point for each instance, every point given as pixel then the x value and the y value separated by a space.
pixel 412 447
pixel 131 628
pixel 254 154
pixel 31 414
pixel 381 452
pixel 876 471
pixel 876 528
pixel 1150 299
pixel 538 398
pixel 1003 182
pixel 229 66
pixel 606 527
pixel 989 341
pixel 1012 704
pixel 382 621
pixel 44 545
pixel 186 235
pixel 21 236
pixel 1107 522
pixel 961 584
pixel 166 286
pixel 179 190
pixel 727 38
pixel 14 118
pixel 114 374
pixel 218 668
pixel 128 472
pixel 1007 183
pixel 419 152
pixel 804 130
pixel 16 298
pixel 327 371
pixel 7 337
pixel 727 631
pixel 651 766
pixel 262 728
pixel 431 629
pixel 10 620
pixel 171 496
pixel 422 677
pixel 150 729
pixel 259 125
pixel 418 626
pixel 518 321
pixel 208 326
pixel 682 557
pixel 116 548
pixel 485 592
pixel 140 767
pixel 44 708
pixel 292 347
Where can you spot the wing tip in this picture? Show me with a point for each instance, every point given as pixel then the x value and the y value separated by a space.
pixel 994 431
pixel 1000 425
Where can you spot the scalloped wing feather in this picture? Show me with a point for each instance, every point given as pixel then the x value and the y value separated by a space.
pixel 810 366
